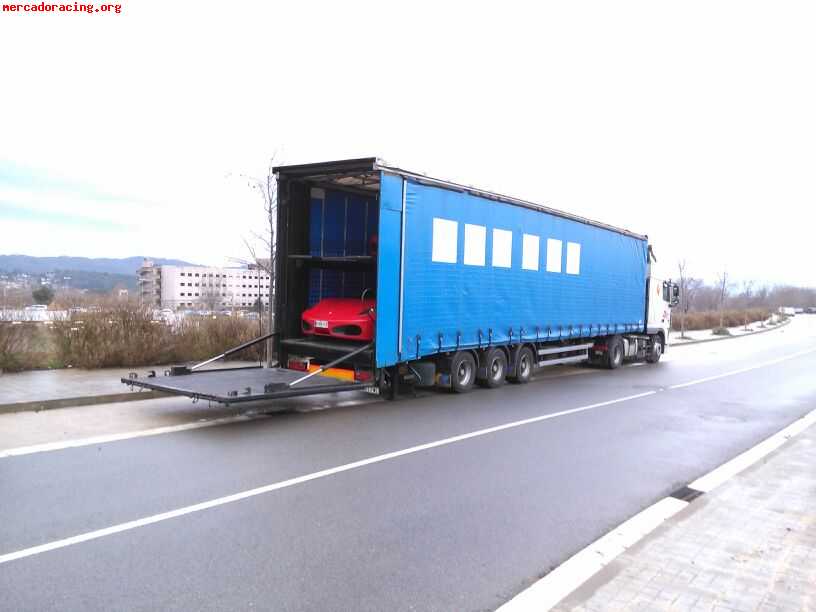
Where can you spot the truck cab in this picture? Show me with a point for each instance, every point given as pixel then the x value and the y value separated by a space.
pixel 662 296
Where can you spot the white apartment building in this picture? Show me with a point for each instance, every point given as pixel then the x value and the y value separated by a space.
pixel 203 288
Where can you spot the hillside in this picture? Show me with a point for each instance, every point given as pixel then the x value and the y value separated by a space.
pixel 41 265
pixel 100 282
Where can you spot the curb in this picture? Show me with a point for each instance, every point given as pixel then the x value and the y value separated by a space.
pixel 72 402
pixel 557 585
pixel 754 333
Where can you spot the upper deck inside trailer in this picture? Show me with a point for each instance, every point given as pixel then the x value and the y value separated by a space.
pixel 364 174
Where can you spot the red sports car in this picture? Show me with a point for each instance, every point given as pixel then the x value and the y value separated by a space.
pixel 346 318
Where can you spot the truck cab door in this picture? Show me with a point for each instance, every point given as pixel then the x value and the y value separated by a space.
pixel 659 316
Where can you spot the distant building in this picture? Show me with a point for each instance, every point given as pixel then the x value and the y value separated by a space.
pixel 148 281
pixel 202 288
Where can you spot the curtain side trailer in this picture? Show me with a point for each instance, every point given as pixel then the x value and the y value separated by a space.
pixel 461 286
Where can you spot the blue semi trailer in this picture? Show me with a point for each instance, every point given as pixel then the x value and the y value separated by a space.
pixel 468 286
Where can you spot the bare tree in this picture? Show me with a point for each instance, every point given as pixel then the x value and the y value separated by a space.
pixel 267 187
pixel 746 298
pixel 722 285
pixel 693 288
pixel 210 294
pixel 681 266
pixel 684 306
pixel 689 288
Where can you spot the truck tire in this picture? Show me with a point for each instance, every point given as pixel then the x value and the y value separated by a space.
pixel 495 369
pixel 525 362
pixel 614 353
pixel 656 350
pixel 462 372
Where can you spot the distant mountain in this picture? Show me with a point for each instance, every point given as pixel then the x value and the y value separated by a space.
pixel 94 281
pixel 40 265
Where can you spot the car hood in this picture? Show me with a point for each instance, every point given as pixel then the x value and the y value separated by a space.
pixel 339 308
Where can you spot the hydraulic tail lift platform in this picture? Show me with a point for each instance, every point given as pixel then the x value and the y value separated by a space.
pixel 246 384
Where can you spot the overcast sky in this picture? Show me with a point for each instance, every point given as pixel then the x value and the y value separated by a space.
pixel 691 122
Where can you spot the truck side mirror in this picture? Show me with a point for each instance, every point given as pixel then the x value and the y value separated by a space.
pixel 675 295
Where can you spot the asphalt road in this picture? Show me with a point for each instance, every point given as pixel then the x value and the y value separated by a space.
pixel 460 526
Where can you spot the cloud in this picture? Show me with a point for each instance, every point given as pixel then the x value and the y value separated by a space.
pixel 690 123
pixel 9 211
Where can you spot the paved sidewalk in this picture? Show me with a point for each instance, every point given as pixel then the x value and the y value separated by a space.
pixel 699 335
pixel 749 545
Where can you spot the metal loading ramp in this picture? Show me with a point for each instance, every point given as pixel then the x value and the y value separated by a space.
pixel 230 386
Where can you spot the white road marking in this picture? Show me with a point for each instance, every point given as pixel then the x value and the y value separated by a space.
pixel 743 370
pixel 53 446
pixel 103 439
pixel 213 503
pixel 546 593
pixel 718 476
pixel 92 535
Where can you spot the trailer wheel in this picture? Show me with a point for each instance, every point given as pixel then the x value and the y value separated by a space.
pixel 656 351
pixel 524 366
pixel 614 353
pixel 495 369
pixel 462 372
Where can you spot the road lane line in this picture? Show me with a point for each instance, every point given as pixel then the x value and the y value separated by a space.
pixel 103 439
pixel 544 594
pixel 757 366
pixel 92 535
pixel 213 503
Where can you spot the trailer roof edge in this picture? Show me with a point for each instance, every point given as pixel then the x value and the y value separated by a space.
pixel 329 167
pixel 374 163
